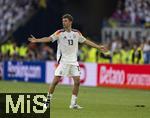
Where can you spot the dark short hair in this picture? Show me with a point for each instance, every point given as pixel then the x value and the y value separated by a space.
pixel 68 16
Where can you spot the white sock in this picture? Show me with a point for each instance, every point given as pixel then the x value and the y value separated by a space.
pixel 49 94
pixel 73 99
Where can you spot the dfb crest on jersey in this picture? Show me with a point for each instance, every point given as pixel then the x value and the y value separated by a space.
pixel 65 37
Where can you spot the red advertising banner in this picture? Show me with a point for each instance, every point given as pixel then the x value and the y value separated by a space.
pixel 123 76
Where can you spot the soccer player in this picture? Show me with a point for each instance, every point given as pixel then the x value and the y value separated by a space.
pixel 67 49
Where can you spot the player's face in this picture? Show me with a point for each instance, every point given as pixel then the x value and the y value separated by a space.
pixel 66 23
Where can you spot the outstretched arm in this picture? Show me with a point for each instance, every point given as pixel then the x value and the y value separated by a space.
pixel 100 47
pixel 38 40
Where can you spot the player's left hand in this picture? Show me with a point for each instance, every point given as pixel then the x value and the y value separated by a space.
pixel 103 48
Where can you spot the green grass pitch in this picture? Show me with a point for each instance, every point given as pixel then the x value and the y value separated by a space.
pixel 97 102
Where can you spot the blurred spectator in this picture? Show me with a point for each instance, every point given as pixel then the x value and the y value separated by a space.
pixel 83 53
pixel 137 54
pixel 146 50
pixel 92 55
pixel 23 51
pixel 47 53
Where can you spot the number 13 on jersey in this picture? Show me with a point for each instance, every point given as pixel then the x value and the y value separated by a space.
pixel 70 42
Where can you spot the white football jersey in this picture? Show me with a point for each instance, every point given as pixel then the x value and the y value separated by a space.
pixel 67 47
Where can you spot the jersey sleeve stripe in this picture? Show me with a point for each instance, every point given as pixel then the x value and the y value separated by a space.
pixel 75 30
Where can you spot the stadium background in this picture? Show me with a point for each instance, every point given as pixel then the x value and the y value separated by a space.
pixel 121 25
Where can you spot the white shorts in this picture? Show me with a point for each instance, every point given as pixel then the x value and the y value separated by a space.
pixel 67 70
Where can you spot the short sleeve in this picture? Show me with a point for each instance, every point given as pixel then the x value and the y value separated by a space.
pixel 55 36
pixel 81 38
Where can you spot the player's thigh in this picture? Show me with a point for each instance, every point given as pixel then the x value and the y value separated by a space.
pixel 61 70
pixel 75 71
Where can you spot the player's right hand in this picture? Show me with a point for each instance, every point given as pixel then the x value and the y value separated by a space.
pixel 32 39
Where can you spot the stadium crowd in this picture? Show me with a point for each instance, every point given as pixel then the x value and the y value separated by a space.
pixel 130 51
pixel 13 12
pixel 120 52
pixel 130 13
pixel 31 52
